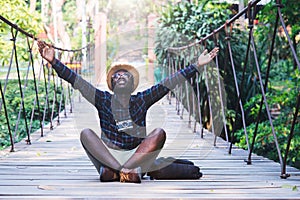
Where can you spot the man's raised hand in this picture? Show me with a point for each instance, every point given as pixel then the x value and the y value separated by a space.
pixel 206 57
pixel 46 51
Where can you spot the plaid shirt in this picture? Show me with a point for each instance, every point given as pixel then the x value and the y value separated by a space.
pixel 112 115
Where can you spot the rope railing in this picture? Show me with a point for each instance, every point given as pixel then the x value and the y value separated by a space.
pixel 174 53
pixel 51 95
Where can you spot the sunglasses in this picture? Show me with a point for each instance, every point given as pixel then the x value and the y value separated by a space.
pixel 116 76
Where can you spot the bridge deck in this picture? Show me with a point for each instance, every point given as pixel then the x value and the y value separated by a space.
pixel 56 166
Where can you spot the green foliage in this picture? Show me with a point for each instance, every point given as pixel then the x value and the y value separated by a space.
pixel 17 12
pixel 186 23
pixel 283 85
pixel 285 95
pixel 282 59
pixel 71 23
pixel 265 143
pixel 13 101
pixel 292 15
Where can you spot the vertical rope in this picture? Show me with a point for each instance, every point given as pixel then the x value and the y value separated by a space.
pixel 21 105
pixel 238 94
pixel 199 106
pixel 193 103
pixel 61 101
pixel 177 90
pixel 8 72
pixel 266 103
pixel 64 96
pixel 187 99
pixel 283 171
pixel 209 102
pixel 35 85
pixel 170 60
pixel 220 92
pixel 183 88
pixel 279 5
pixel 265 100
pixel 54 97
pixel 58 103
pixel 70 100
pixel 173 65
pixel 239 102
pixel 14 36
pixel 35 102
pixel 179 99
pixel 12 149
pixel 169 73
pixel 47 107
pixel 265 87
pixel 198 101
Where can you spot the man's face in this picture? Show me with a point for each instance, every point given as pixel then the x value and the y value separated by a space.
pixel 122 82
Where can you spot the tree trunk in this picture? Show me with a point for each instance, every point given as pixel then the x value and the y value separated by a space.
pixel 62 33
pixel 32 5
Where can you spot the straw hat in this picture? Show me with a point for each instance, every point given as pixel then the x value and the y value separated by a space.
pixel 123 66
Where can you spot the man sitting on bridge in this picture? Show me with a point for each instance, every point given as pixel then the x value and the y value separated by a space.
pixel 125 150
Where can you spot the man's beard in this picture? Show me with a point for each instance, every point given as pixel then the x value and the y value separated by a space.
pixel 125 90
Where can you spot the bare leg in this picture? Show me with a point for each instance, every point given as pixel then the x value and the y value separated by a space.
pixel 97 151
pixel 147 151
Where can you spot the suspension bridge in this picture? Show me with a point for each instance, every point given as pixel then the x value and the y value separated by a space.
pixel 51 163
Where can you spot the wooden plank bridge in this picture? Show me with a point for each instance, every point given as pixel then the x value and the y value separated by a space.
pixel 56 166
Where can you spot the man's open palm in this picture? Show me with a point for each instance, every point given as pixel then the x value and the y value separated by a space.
pixel 46 51
pixel 206 57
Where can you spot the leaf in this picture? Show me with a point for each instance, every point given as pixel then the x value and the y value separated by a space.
pixel 295 188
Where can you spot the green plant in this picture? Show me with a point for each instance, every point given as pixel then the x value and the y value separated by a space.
pixel 17 12
pixel 285 95
pixel 185 23
pixel 13 102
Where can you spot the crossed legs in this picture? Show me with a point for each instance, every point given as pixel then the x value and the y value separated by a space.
pixel 143 157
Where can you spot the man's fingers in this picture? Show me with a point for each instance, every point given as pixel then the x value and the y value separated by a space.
pixel 204 52
pixel 214 52
pixel 43 44
pixel 216 49
pixel 48 45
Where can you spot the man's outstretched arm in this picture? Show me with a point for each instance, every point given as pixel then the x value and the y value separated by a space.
pixel 180 76
pixel 156 92
pixel 85 88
